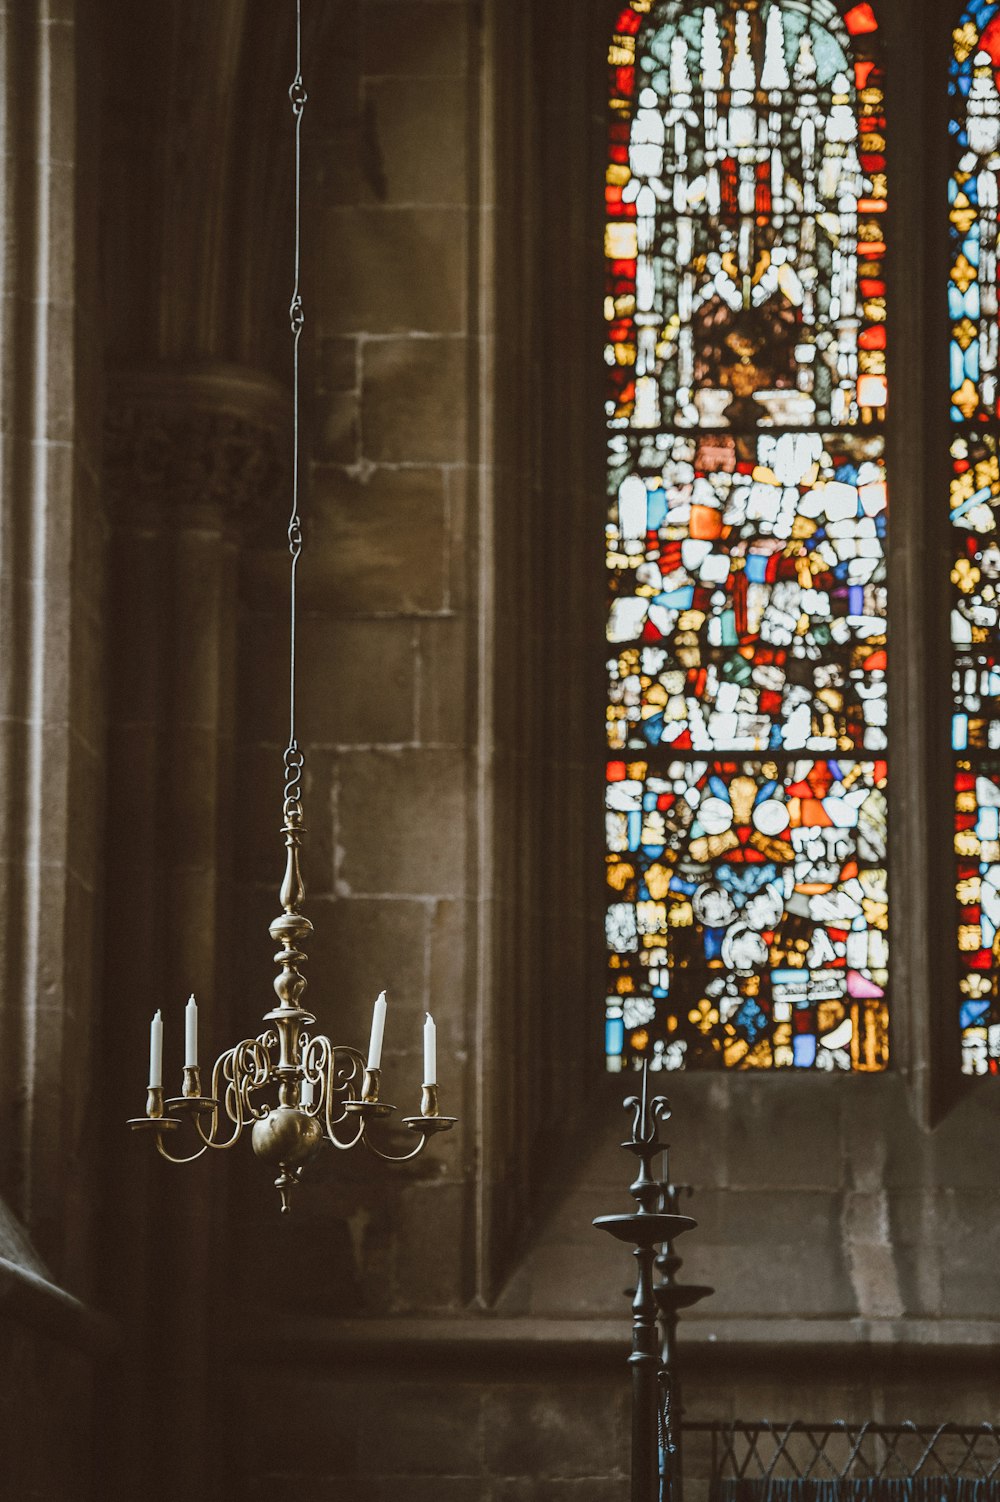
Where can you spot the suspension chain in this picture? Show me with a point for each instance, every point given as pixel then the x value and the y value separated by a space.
pixel 293 759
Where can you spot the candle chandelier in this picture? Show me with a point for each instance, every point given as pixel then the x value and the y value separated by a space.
pixel 294 1089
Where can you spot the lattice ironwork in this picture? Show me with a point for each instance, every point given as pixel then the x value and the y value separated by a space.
pixel 838 1451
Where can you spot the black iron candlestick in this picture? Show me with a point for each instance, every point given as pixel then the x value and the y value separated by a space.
pixel 645 1228
pixel 671 1297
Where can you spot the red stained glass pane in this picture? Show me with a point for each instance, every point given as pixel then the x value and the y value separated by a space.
pixel 989 41
pixel 860 19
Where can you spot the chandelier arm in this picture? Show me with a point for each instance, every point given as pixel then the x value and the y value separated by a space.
pixel 340 1081
pixel 314 1070
pixel 396 1157
pixel 189 1158
pixel 209 1137
pixel 345 1147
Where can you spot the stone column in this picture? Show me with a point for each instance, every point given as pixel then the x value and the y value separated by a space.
pixel 51 545
pixel 191 456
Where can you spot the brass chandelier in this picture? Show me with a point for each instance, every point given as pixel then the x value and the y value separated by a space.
pixel 293 1088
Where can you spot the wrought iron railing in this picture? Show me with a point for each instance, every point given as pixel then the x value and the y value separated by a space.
pixel 825 1461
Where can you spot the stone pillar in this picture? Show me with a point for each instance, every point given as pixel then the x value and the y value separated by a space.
pixel 190 457
pixel 51 546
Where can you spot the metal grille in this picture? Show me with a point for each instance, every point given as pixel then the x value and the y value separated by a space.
pixel 838 1451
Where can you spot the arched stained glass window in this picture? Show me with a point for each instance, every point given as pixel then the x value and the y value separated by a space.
pixel 746 347
pixel 974 194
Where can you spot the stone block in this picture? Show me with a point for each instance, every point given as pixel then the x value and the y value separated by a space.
pixel 880 1148
pixel 427 1489
pixel 970 1284
pixel 414 397
pixel 565 1431
pixel 451 944
pixel 381 944
pixel 393 270
pixel 403 39
pixel 965 1139
pixel 379 545
pixel 337 428
pixel 875 1278
pixel 431 1243
pixel 359 684
pixel 401 823
pixel 591 1489
pixel 348 171
pixel 323 1450
pixel 588 1278
pixel 422 130
pixel 445 675
pixel 462 485
pixel 424 1429
pixel 785 1137
pixel 336 363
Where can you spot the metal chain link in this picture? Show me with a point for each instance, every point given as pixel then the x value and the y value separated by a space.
pixel 294 759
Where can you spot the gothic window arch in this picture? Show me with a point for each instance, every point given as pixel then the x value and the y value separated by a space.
pixel 746 347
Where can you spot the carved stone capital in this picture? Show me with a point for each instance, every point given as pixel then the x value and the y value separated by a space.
pixel 206 443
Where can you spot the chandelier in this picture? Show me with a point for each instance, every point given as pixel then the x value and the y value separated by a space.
pixel 293 1088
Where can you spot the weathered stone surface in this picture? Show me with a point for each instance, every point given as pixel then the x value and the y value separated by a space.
pixel 338 428
pixel 432 1227
pixel 380 543
pixel 421 128
pixel 427 40
pixel 445 682
pixel 553 1489
pixel 431 1421
pixel 401 823
pixel 414 400
pixel 398 270
pixel 361 685
pixel 531 1433
pixel 336 364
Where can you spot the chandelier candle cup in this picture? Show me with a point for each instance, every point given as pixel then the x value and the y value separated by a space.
pixel 313 1089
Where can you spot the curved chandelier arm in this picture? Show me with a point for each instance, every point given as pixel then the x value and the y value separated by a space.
pixel 188 1157
pixel 396 1157
pixel 237 1072
pixel 344 1072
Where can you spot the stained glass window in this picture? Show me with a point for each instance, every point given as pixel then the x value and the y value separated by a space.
pixel 746 347
pixel 974 204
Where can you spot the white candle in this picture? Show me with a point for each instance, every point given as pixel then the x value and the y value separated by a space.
pixel 156 1052
pixel 306 1095
pixel 191 1034
pixel 430 1051
pixel 378 1032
